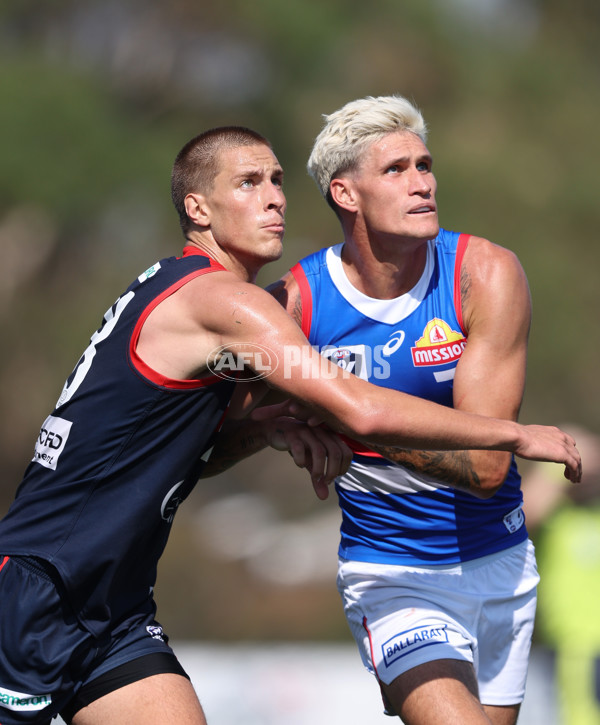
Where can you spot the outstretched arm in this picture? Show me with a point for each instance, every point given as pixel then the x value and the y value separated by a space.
pixel 491 373
pixel 384 417
pixel 194 335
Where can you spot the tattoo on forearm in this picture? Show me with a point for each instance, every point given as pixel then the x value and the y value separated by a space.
pixel 451 467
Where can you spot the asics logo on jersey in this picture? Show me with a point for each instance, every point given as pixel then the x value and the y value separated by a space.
pixel 396 339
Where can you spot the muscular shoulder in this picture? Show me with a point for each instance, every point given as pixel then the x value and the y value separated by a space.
pixel 485 260
pixel 492 280
pixel 217 303
pixel 234 304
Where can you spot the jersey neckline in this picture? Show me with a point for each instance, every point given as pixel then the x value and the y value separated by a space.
pixel 387 311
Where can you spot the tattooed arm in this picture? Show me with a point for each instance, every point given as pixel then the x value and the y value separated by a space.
pixel 452 467
pixel 490 375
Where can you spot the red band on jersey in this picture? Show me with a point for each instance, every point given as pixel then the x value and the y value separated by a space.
pixel 305 296
pixel 359 448
pixel 463 241
pixel 189 250
pixel 144 369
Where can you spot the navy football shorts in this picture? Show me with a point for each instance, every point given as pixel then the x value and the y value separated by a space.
pixel 50 664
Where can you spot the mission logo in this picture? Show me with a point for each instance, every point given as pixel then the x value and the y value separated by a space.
pixel 439 345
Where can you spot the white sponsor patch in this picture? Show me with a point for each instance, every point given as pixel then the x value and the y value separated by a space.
pixel 514 520
pixel 51 441
pixel 150 272
pixel 21 702
pixel 411 640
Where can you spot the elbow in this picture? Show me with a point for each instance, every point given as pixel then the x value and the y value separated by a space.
pixel 364 422
pixel 486 491
pixel 492 474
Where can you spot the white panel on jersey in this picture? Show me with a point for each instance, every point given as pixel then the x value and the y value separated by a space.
pixel 387 311
pixel 386 478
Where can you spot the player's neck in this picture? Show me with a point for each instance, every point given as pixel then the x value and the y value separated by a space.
pixel 245 269
pixel 384 271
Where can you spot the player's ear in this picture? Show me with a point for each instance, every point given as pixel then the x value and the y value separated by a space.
pixel 342 193
pixel 197 209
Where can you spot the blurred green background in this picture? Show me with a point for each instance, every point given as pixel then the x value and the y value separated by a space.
pixel 97 97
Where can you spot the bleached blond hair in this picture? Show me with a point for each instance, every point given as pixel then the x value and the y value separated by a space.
pixel 348 131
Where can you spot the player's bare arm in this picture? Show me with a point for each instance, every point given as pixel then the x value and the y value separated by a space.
pixel 453 467
pixel 182 336
pixel 497 310
pixel 490 375
pixel 322 453
pixel 361 410
pixel 193 331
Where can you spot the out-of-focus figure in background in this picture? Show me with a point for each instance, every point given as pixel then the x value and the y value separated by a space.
pixel 565 524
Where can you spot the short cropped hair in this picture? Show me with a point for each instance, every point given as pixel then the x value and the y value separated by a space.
pixel 348 131
pixel 197 164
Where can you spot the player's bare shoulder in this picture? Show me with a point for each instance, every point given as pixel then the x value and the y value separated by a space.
pixel 206 309
pixel 484 259
pixel 179 332
pixel 229 304
pixel 287 292
pixel 491 275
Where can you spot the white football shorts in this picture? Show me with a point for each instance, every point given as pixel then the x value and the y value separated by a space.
pixel 481 611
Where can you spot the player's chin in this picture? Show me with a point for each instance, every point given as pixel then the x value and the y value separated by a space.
pixel 272 250
pixel 425 226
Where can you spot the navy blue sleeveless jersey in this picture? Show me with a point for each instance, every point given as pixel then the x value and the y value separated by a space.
pixel 121 450
pixel 390 514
